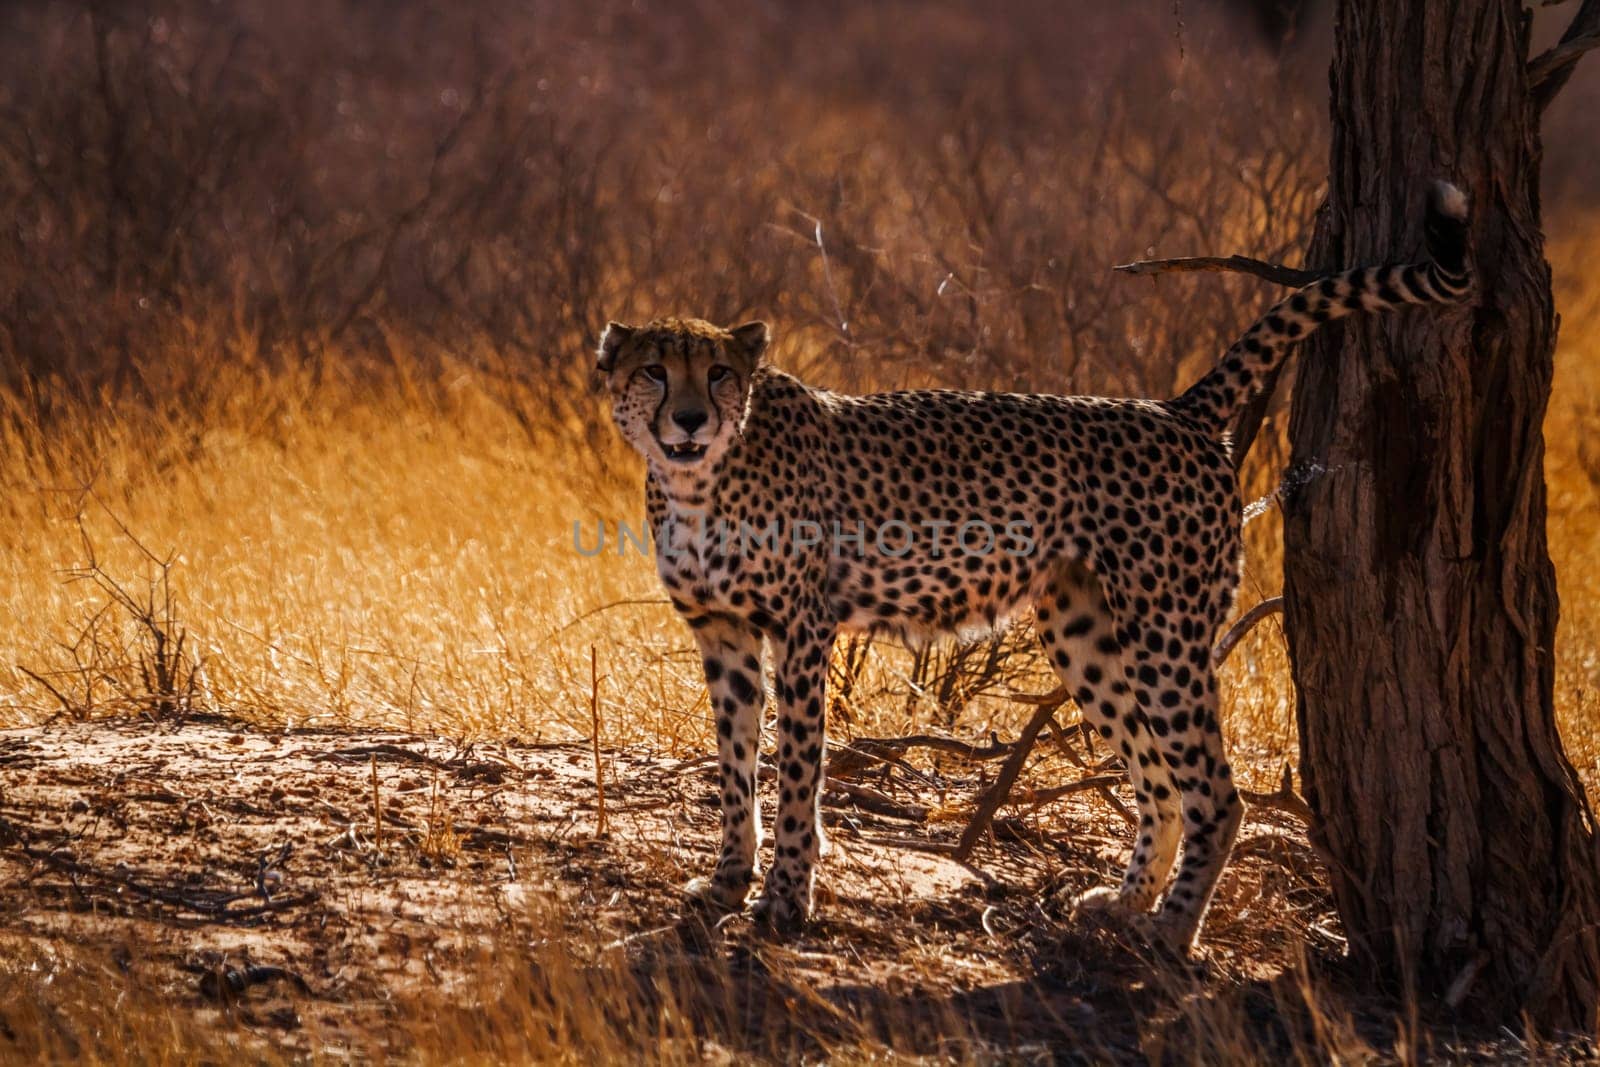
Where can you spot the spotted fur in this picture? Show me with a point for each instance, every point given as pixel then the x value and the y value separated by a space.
pixel 1117 521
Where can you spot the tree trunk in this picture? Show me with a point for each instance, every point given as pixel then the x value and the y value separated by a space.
pixel 1421 603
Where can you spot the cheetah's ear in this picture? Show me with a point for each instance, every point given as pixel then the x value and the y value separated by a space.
pixel 610 342
pixel 753 338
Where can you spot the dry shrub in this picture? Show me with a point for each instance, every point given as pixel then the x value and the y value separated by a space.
pixel 320 182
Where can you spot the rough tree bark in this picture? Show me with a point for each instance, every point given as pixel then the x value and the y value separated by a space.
pixel 1420 599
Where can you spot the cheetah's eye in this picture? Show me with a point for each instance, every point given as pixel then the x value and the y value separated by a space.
pixel 656 373
pixel 719 374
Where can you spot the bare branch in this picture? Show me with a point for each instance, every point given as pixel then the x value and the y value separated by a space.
pixel 1246 623
pixel 1552 61
pixel 1055 698
pixel 66 705
pixel 1272 272
pixel 1283 799
pixel 1549 70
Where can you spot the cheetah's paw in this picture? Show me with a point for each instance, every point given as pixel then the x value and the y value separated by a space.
pixel 1103 903
pixel 716 894
pixel 1173 934
pixel 1112 911
pixel 780 912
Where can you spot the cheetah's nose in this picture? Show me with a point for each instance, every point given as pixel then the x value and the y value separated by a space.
pixel 689 421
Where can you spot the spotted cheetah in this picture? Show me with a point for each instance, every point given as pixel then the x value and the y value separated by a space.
pixel 1116 520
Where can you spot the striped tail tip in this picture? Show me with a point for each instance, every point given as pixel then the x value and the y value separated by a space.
pixel 1445 230
pixel 1448 200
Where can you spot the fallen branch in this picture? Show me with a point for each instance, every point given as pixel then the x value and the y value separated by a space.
pixel 841 794
pixel 1038 798
pixel 162 797
pixel 211 904
pixel 838 794
pixel 397 753
pixel 489 770
pixel 1272 272
pixel 996 795
pixel 487 837
pixel 848 759
pixel 913 844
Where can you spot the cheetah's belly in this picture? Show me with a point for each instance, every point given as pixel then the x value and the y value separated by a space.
pixel 923 589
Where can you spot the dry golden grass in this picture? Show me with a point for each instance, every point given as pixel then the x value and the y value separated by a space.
pixel 400 553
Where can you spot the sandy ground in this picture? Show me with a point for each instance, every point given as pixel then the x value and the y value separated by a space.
pixel 240 872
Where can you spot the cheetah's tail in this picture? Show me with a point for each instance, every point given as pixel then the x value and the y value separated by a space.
pixel 1444 278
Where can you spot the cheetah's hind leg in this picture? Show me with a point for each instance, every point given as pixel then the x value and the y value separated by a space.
pixel 1079 635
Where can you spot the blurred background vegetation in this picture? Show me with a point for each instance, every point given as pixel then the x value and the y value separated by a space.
pixel 300 297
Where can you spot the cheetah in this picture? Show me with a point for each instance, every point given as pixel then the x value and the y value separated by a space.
pixel 783 513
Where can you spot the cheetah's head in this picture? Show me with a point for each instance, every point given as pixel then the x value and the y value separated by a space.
pixel 680 387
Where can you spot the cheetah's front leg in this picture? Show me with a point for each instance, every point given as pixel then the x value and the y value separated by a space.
pixel 785 900
pixel 732 657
